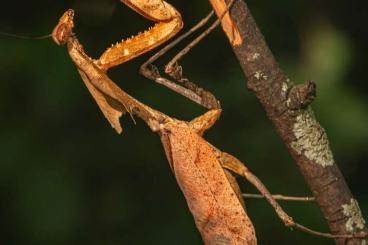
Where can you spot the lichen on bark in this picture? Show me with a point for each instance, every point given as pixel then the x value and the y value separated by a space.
pixel 355 219
pixel 311 139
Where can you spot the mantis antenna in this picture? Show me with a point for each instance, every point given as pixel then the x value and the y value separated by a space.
pixel 25 37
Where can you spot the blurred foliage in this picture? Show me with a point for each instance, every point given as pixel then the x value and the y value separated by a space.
pixel 66 177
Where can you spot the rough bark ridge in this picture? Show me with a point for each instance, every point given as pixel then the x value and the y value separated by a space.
pixel 287 106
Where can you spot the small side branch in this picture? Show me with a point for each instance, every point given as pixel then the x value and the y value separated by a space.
pixel 301 96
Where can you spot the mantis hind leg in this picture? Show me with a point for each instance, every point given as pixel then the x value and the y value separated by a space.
pixel 184 86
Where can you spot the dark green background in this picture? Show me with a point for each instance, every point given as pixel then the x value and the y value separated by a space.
pixel 66 177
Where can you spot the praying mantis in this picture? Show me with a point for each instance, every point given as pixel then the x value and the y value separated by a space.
pixel 197 165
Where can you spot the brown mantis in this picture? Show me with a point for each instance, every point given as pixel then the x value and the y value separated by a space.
pixel 197 165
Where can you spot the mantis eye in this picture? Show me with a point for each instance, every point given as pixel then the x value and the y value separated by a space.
pixel 63 30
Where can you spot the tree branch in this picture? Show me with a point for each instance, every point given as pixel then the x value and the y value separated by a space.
pixel 287 106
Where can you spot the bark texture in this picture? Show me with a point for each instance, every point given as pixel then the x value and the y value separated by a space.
pixel 287 106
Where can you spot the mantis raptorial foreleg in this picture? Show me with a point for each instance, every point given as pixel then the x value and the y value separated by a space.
pixel 197 165
pixel 168 20
pixel 168 23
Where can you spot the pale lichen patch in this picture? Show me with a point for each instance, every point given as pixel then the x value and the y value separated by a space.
pixel 255 56
pixel 284 87
pixel 355 219
pixel 288 102
pixel 259 75
pixel 311 140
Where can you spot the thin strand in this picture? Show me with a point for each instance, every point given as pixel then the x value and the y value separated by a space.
pixel 25 37
pixel 329 235
pixel 280 197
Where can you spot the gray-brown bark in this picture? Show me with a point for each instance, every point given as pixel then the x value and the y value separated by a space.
pixel 287 106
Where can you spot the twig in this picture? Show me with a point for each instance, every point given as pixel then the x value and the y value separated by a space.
pixel 296 125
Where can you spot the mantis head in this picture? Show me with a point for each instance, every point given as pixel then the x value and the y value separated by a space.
pixel 64 29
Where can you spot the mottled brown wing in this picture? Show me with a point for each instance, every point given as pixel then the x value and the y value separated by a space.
pixel 218 214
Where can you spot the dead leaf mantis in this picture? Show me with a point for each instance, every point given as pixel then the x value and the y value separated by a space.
pixel 197 165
